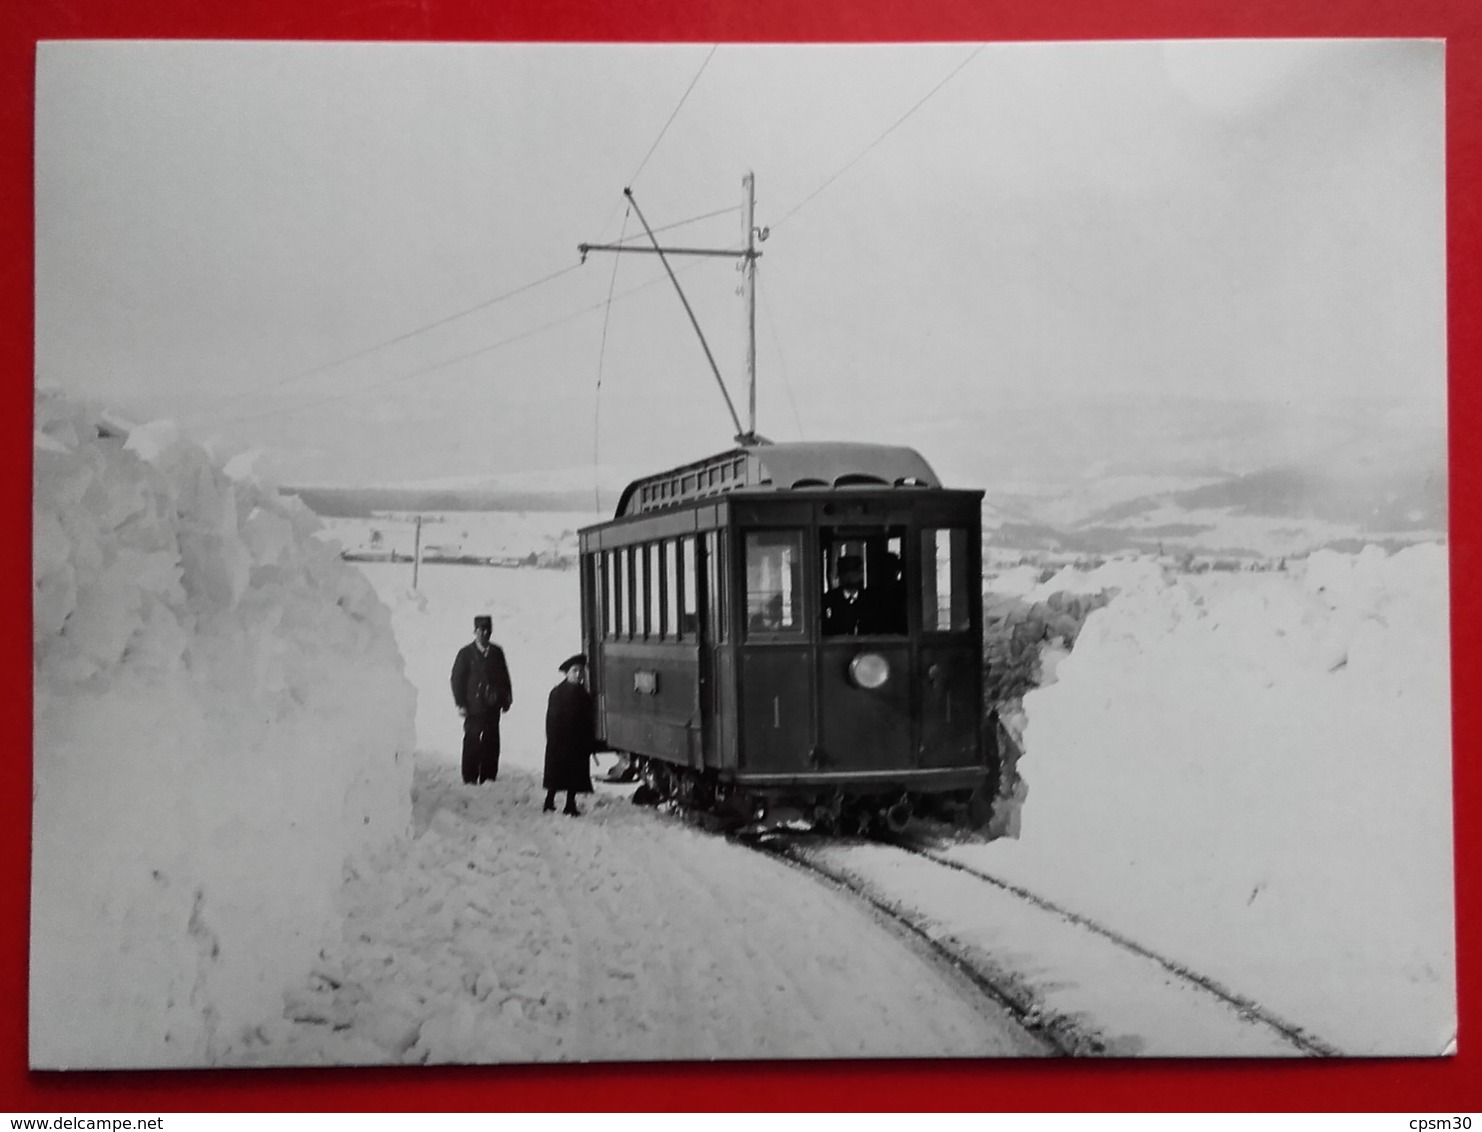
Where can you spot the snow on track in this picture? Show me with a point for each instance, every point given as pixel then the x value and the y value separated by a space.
pixel 504 934
pixel 1131 1004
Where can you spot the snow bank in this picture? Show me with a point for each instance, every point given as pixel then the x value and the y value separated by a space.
pixel 221 722
pixel 1252 773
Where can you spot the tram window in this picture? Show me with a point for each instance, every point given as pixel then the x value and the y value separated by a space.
pixel 638 588
pixel 722 590
pixel 596 583
pixel 774 581
pixel 610 615
pixel 864 582
pixel 632 594
pixel 653 606
pixel 671 588
pixel 944 593
pixel 689 623
pixel 601 606
pixel 715 580
pixel 615 585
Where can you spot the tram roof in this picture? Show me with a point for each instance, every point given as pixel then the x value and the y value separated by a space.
pixel 780 467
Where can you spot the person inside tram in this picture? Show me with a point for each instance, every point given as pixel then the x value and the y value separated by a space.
pixel 847 607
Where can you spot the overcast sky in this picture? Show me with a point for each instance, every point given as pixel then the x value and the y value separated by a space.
pixel 236 235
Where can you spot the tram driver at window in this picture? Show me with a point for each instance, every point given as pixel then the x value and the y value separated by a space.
pixel 848 607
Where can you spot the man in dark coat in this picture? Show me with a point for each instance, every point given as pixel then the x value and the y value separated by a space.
pixel 848 608
pixel 482 691
pixel 570 737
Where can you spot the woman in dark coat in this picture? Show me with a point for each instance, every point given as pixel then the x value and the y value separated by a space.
pixel 570 737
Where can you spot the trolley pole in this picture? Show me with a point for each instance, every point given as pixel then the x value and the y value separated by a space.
pixel 748 256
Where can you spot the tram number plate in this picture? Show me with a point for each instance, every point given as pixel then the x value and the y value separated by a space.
pixel 646 683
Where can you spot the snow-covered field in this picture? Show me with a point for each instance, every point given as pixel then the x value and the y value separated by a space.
pixel 548 535
pixel 1248 773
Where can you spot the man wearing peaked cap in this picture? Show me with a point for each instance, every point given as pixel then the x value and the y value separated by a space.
pixel 570 736
pixel 482 691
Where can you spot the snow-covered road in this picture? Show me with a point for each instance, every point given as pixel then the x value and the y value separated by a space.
pixel 504 934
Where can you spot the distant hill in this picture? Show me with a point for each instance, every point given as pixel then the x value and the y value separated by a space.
pixel 1408 500
pixel 1412 501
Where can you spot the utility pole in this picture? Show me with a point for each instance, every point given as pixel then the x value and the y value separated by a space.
pixel 746 437
pixel 749 267
pixel 417 552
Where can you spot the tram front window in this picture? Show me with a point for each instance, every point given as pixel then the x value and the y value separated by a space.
pixel 774 581
pixel 864 584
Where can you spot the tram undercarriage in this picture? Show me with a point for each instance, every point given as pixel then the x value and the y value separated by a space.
pixel 825 808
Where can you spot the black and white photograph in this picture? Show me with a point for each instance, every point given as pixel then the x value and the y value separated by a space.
pixel 688 552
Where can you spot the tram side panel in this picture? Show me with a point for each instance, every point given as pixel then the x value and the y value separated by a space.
pixel 651 702
pixel 777 709
pixel 951 705
pixel 639 624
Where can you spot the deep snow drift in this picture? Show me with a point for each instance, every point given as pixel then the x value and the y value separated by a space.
pixel 1251 772
pixel 221 720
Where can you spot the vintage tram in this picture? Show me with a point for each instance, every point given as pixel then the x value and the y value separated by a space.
pixel 713 662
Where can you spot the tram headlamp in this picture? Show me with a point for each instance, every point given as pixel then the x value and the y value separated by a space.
pixel 869 670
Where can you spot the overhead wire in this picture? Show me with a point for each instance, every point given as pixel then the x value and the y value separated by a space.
pixel 368 350
pixel 682 99
pixel 890 130
pixel 622 235
pixel 922 101
pixel 678 224
pixel 601 359
pixel 446 362
pixel 662 131
pixel 606 304
pixel 781 362
pixel 486 303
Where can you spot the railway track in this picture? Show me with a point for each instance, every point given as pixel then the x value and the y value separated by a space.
pixel 1079 986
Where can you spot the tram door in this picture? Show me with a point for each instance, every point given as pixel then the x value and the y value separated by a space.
pixel 951 652
pixel 716 676
pixel 777 709
pixel 864 651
